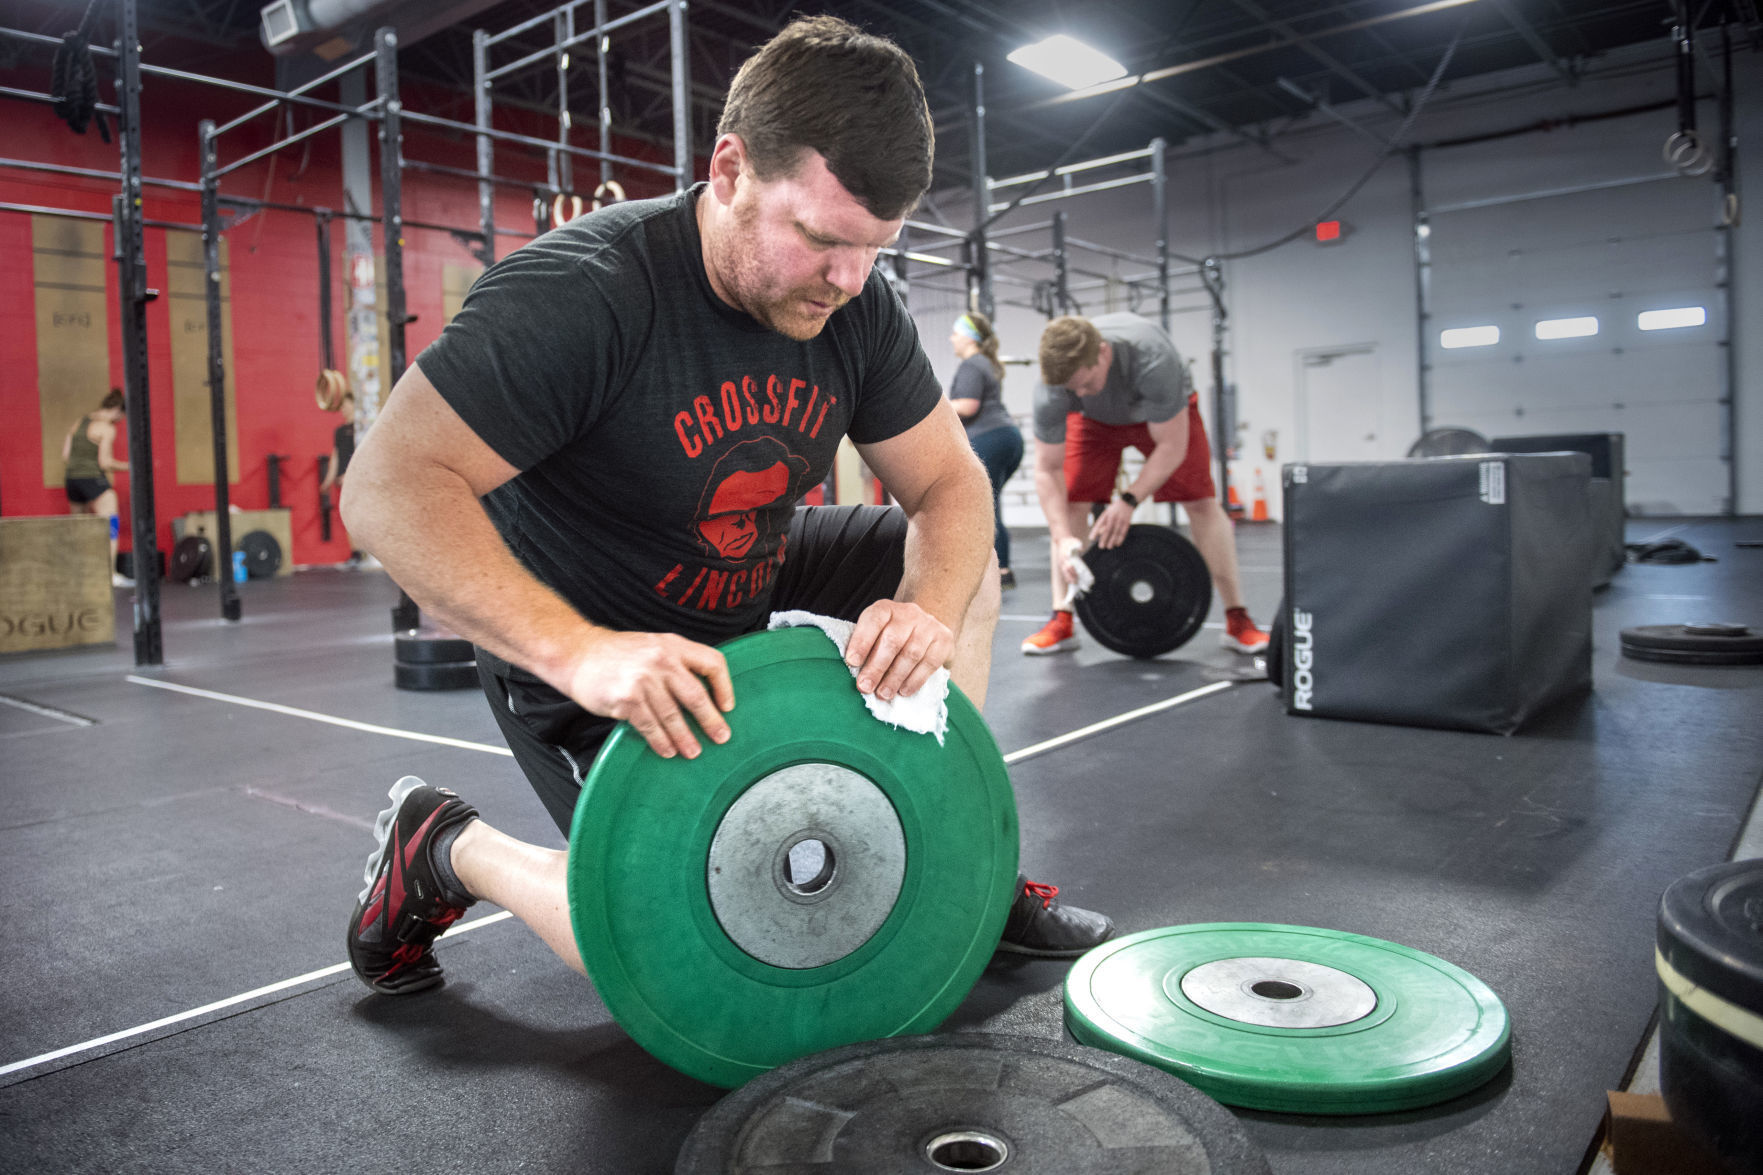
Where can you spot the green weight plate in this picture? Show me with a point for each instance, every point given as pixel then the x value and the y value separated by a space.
pixel 821 878
pixel 1291 1018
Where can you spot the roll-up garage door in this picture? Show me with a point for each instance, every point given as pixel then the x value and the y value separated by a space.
pixel 1589 311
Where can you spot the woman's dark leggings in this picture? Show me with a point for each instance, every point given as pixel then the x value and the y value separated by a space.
pixel 1001 451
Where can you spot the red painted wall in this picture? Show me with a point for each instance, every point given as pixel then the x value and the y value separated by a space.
pixel 273 272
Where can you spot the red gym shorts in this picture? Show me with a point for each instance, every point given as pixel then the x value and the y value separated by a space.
pixel 1092 459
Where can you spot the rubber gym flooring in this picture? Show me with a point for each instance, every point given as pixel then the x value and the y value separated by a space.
pixel 177 868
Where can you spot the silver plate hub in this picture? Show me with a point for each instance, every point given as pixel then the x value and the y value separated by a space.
pixel 806 865
pixel 1279 993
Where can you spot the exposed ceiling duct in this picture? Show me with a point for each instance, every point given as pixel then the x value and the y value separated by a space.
pixel 332 28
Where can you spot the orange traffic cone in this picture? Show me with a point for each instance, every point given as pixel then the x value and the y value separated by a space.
pixel 1233 505
pixel 1258 512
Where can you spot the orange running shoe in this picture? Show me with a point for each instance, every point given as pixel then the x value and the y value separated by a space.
pixel 1240 632
pixel 1057 637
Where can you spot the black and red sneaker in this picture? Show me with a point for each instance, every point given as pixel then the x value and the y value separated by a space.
pixel 1040 925
pixel 408 901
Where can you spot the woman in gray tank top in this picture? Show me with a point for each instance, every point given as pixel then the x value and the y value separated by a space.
pixel 977 392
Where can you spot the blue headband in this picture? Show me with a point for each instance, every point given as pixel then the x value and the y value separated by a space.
pixel 964 326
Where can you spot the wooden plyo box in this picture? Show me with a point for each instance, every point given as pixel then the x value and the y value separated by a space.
pixel 55 583
pixel 243 523
pixel 1641 1139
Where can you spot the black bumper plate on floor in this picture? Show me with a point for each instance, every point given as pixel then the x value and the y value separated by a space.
pixel 1694 644
pixel 969 1102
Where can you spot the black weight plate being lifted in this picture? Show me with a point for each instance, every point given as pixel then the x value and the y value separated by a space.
pixel 414 649
pixel 1694 644
pixel 968 1102
pixel 1151 594
pixel 263 555
pixel 191 558
pixel 444 675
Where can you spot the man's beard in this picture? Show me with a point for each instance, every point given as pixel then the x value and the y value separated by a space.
pixel 789 316
pixel 788 313
pixel 785 313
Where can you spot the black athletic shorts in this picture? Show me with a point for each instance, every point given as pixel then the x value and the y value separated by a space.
pixel 842 559
pixel 81 490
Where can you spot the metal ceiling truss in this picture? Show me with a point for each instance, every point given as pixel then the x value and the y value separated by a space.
pixel 1529 36
pixel 1334 65
pixel 1242 83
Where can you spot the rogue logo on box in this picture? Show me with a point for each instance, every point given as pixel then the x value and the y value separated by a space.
pixel 1303 658
pixel 49 623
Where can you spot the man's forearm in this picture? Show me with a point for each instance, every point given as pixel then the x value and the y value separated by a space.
pixel 1055 503
pixel 1169 447
pixel 948 539
pixel 434 538
pixel 1157 469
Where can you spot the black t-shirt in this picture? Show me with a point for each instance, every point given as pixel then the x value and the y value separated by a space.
pixel 663 437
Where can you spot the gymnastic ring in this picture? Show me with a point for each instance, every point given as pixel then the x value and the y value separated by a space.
pixel 332 386
pixel 559 204
pixel 1685 151
pixel 613 187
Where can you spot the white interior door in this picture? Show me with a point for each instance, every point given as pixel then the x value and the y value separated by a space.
pixel 1340 404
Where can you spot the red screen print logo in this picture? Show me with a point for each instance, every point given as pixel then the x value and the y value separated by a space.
pixel 745 486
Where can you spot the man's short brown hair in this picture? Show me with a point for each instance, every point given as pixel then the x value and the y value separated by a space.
pixel 824 84
pixel 1068 344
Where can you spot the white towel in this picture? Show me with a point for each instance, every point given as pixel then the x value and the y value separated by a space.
pixel 925 712
pixel 1086 579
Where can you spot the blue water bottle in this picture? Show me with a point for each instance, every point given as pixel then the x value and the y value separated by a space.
pixel 239 567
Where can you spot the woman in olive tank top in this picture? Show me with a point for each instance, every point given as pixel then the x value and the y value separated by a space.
pixel 87 451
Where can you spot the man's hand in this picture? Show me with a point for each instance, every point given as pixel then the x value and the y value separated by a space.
pixel 652 680
pixel 1109 531
pixel 1066 553
pixel 896 647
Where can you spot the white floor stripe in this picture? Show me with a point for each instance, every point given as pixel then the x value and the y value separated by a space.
pixel 1117 720
pixel 275 708
pixel 66 716
pixel 219 1005
pixel 326 972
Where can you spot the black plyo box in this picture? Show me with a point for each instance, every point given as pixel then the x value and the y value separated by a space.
pixel 1609 488
pixel 1604 448
pixel 1449 592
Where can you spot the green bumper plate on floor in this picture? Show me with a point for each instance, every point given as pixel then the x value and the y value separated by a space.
pixel 821 878
pixel 1291 1018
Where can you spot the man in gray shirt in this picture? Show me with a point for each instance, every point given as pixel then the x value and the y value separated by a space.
pixel 1108 383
